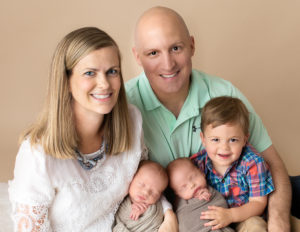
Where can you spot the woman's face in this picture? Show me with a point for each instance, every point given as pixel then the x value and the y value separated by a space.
pixel 95 82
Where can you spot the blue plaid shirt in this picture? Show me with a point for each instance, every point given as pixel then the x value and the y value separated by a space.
pixel 249 176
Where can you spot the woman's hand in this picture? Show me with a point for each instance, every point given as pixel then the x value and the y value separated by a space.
pixel 170 223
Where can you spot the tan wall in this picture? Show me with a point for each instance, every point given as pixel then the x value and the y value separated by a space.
pixel 253 43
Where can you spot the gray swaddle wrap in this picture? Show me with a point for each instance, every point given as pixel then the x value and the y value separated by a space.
pixel 188 213
pixel 148 222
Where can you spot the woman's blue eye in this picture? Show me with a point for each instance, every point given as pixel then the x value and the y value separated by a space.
pixel 89 73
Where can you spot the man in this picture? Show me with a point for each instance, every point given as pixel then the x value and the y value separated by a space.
pixel 170 96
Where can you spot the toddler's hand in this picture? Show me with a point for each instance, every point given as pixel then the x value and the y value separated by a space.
pixel 220 217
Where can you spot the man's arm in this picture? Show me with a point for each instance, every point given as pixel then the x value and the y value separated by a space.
pixel 279 204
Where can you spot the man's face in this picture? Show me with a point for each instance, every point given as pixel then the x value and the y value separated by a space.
pixel 164 50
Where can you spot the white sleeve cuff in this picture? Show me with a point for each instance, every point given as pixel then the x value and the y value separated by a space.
pixel 165 203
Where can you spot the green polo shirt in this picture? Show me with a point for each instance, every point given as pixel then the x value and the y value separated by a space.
pixel 168 138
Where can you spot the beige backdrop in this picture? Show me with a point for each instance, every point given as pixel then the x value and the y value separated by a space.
pixel 253 43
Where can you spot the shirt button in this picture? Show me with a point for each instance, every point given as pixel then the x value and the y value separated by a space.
pixel 223 181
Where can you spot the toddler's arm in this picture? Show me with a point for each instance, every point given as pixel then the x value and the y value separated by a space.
pixel 221 217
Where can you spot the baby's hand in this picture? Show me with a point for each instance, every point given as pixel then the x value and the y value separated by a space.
pixel 220 217
pixel 204 194
pixel 137 209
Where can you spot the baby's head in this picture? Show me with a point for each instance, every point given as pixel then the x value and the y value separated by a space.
pixel 225 129
pixel 148 183
pixel 185 178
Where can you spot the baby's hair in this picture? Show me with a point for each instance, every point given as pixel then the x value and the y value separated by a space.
pixel 159 169
pixel 222 110
pixel 175 163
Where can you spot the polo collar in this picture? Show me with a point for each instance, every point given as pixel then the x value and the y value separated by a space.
pixel 149 98
pixel 196 99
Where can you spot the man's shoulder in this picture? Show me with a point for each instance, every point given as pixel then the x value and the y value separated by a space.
pixel 250 159
pixel 211 81
pixel 132 83
pixel 132 89
pixel 249 153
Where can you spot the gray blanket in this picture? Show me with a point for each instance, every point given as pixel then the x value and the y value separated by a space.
pixel 189 211
pixel 148 222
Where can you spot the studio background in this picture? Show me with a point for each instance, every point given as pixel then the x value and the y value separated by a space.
pixel 254 44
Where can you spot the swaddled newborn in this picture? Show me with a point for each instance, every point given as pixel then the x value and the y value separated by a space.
pixel 142 211
pixel 194 196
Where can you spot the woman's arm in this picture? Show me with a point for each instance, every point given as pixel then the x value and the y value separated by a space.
pixel 30 218
pixel 30 192
pixel 170 223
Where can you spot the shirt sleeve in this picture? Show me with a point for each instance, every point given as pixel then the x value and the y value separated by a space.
pixel 30 191
pixel 165 203
pixel 259 137
pixel 259 178
pixel 199 160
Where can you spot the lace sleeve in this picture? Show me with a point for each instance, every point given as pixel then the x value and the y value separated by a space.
pixel 144 155
pixel 31 218
pixel 31 191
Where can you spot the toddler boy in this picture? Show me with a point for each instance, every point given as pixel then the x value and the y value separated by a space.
pixel 232 166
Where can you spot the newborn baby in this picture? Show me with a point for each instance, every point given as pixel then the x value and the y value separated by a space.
pixel 194 195
pixel 142 209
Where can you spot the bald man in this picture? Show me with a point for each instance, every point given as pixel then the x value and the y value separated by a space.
pixel 170 95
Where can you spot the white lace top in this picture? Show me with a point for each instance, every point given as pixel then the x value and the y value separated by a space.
pixel 49 194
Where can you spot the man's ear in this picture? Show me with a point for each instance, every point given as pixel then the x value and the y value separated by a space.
pixel 192 44
pixel 136 56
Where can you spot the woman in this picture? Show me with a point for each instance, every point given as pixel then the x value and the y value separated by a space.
pixel 75 163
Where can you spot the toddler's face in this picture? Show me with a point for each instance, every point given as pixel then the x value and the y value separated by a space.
pixel 187 181
pixel 147 186
pixel 223 144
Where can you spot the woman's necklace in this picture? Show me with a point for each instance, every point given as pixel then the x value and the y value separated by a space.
pixel 89 163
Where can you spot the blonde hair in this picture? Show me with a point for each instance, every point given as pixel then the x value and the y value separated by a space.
pixel 221 110
pixel 55 127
